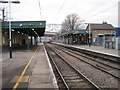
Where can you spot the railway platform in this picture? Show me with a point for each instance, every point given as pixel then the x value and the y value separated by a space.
pixel 99 49
pixel 42 76
pixel 28 69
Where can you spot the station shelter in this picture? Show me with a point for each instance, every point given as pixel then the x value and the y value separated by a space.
pixel 74 37
pixel 23 32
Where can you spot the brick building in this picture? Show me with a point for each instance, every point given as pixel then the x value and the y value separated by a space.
pixel 99 31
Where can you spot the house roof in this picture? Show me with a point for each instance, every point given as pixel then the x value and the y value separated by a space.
pixel 103 26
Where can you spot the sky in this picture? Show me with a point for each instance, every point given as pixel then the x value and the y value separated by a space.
pixel 55 11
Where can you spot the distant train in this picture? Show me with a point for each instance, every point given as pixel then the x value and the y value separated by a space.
pixel 46 39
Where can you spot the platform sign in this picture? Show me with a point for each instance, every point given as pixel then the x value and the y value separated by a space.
pixel 117 32
pixel 5 32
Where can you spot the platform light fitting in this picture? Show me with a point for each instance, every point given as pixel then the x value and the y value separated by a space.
pixel 18 32
pixel 13 30
pixel 20 25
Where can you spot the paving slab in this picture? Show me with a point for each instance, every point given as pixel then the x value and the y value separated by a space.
pixel 40 79
pixel 41 71
pixel 47 85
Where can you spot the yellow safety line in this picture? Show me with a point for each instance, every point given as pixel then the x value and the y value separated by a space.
pixel 20 78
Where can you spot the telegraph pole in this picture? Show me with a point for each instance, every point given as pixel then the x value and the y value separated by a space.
pixel 3 14
pixel 10 33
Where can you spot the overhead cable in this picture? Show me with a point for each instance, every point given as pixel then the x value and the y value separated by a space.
pixel 101 11
pixel 40 9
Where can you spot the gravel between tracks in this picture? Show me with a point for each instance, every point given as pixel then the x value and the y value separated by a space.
pixel 100 78
pixel 74 80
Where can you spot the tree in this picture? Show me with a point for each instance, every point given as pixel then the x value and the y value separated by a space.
pixel 72 22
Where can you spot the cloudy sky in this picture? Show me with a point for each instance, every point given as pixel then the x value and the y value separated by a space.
pixel 54 11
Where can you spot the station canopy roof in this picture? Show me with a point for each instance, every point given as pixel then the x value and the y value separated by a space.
pixel 72 32
pixel 32 28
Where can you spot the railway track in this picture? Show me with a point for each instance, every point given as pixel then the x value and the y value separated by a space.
pixel 70 76
pixel 103 62
pixel 98 55
pixel 94 62
pixel 103 79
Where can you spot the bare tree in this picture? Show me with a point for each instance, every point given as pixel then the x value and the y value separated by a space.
pixel 72 22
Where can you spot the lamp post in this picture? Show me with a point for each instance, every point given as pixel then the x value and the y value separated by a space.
pixel 10 38
pixel 89 36
pixel 3 13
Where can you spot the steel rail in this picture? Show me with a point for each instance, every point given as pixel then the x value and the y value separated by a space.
pixel 89 58
pixel 92 83
pixel 58 70
pixel 94 66
pixel 96 53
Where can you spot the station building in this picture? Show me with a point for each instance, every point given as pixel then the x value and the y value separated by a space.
pixel 101 33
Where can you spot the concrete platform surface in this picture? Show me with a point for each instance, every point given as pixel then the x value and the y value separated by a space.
pixel 99 49
pixel 29 69
pixel 42 75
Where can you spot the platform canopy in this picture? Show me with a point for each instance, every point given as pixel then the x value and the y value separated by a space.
pixel 73 32
pixel 32 28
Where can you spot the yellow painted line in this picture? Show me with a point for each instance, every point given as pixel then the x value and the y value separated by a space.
pixel 25 79
pixel 20 78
